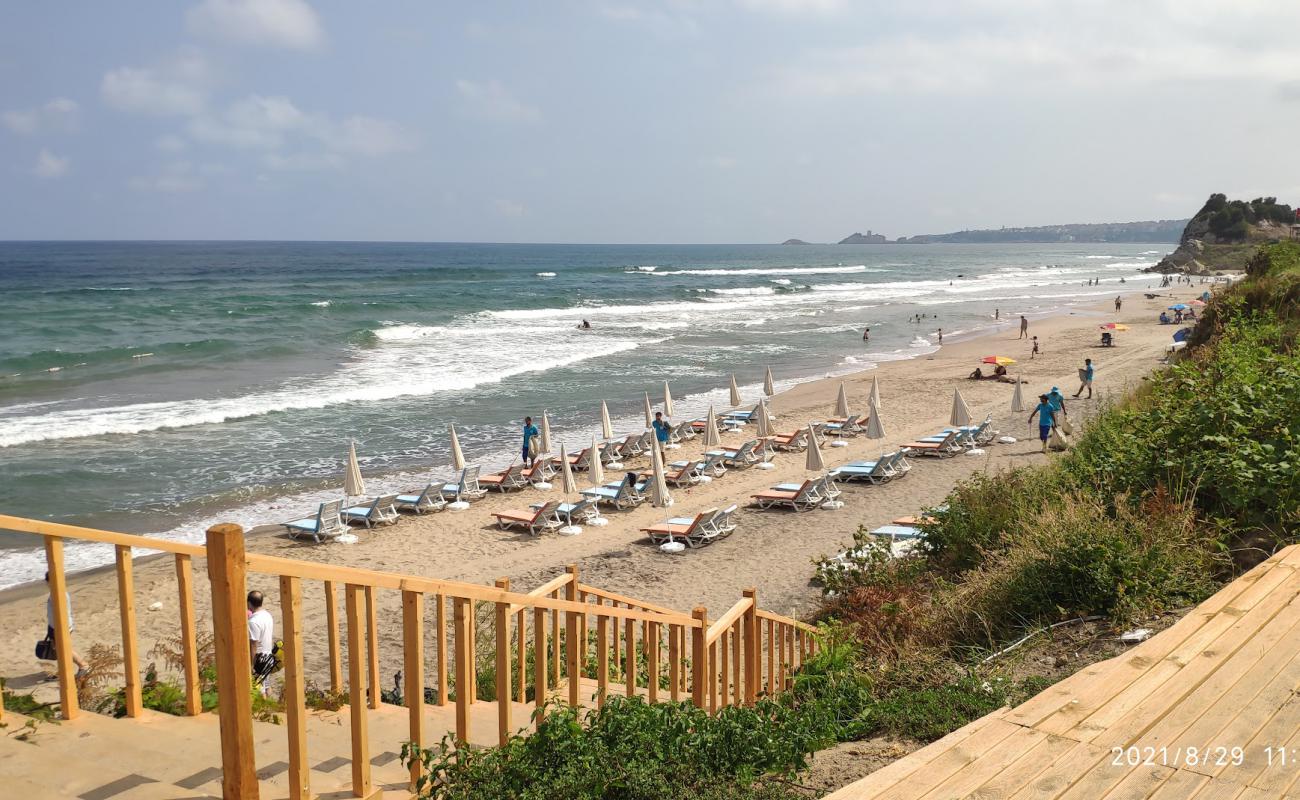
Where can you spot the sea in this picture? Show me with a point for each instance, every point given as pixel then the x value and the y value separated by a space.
pixel 160 387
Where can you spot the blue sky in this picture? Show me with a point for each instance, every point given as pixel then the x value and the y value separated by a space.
pixel 658 121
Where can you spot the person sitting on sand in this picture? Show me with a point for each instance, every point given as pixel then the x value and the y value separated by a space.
pixel 1046 419
pixel 1164 319
pixel 999 371
pixel 977 375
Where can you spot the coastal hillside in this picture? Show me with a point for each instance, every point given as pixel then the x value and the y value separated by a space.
pixel 1224 234
pixel 1166 230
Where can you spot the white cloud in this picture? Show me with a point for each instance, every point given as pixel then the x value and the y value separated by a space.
pixel 492 100
pixel 669 22
pixel 302 162
pixel 176 177
pixel 268 23
pixel 51 166
pixel 510 208
pixel 59 114
pixel 147 91
pixel 792 6
pixel 170 143
pixel 255 122
pixel 368 136
pixel 719 162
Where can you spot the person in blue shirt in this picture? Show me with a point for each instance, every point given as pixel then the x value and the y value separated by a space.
pixel 1057 400
pixel 1046 414
pixel 530 433
pixel 662 429
pixel 1087 378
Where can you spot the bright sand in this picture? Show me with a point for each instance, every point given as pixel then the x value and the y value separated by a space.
pixel 772 551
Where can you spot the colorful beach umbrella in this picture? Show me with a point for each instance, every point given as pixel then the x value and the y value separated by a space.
pixel 735 392
pixel 842 403
pixel 875 427
pixel 768 388
pixel 1197 303
pixel 875 391
pixel 649 415
pixel 1114 326
pixel 457 457
pixel 659 496
pixel 813 460
pixel 353 486
pixel 546 432
pixel 1001 361
pixel 668 401
pixel 1179 307
pixel 960 412
pixel 596 469
pixel 606 429
pixel 1017 402
pixel 711 430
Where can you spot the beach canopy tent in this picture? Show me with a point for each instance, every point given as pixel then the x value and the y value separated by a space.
pixel 1001 361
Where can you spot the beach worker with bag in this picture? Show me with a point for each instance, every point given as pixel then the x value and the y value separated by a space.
pixel 1062 416
pixel 1085 376
pixel 530 442
pixel 1046 419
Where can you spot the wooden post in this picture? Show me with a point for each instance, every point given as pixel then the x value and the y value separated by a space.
pixel 521 656
pixel 771 660
pixel 779 686
pixel 582 631
pixel 674 664
pixel 130 651
pixel 555 642
pixel 372 645
pixel 571 635
pixel 471 652
pixel 503 666
pixel 413 667
pixel 602 659
pixel 699 658
pixel 464 659
pixel 724 645
pixel 189 635
pixel 352 596
pixel 618 648
pixel 753 643
pixel 713 676
pixel 652 662
pixel 68 703
pixel 226 574
pixel 332 636
pixel 440 622
pixel 737 634
pixel 790 662
pixel 295 709
pixel 629 656
pixel 539 660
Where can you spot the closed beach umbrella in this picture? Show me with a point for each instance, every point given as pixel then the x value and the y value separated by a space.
pixel 597 468
pixel 875 428
pixel 1017 402
pixel 457 457
pixel 735 392
pixel 353 486
pixel 764 420
pixel 606 429
pixel 659 496
pixel 960 412
pixel 546 432
pixel 814 462
pixel 875 391
pixel 649 416
pixel 668 401
pixel 768 388
pixel 568 485
pixel 711 430
pixel 842 403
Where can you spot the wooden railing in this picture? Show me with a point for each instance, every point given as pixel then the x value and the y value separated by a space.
pixel 584 643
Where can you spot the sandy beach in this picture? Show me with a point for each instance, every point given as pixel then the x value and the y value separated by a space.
pixel 771 550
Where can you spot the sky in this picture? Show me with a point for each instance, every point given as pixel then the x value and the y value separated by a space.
pixel 652 122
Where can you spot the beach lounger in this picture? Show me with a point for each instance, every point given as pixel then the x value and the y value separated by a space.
pixel 723 426
pixel 679 473
pixel 465 488
pixel 793 442
pixel 695 531
pixel 849 426
pixel 725 522
pixel 747 455
pixel 581 461
pixel 682 432
pixel 947 446
pixel 535 520
pixel 380 511
pixel 911 521
pixel 878 471
pixel 325 525
pixel 543 469
pixel 803 497
pixel 741 417
pixel 573 513
pixel 898 532
pixel 625 496
pixel 976 435
pixel 430 499
pixel 511 477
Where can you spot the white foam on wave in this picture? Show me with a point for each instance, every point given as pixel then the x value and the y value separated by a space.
pixel 744 291
pixel 546 274
pixel 322 303
pixel 782 281
pixel 771 271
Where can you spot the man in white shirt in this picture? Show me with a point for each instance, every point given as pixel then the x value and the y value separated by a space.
pixel 261 640
pixel 49 626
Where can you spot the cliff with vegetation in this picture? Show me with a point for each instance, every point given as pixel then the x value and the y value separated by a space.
pixel 1166 230
pixel 1225 233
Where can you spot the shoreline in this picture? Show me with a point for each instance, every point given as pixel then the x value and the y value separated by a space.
pixel 771 550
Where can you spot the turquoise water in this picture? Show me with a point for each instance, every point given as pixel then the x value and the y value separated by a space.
pixel 156 387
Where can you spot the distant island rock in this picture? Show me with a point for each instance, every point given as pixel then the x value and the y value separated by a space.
pixel 1165 230
pixel 794 241
pixel 865 238
pixel 1224 233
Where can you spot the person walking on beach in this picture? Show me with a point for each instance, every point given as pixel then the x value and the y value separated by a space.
pixel 997 313
pixel 1086 375
pixel 1034 352
pixel 49 626
pixel 663 429
pixel 866 334
pixel 1046 419
pixel 1024 327
pixel 261 640
pixel 1118 304
pixel 530 433
pixel 941 336
pixel 1058 405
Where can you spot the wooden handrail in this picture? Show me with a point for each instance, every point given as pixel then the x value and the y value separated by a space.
pixel 728 619
pixel 618 598
pixel 42 528
pixel 786 621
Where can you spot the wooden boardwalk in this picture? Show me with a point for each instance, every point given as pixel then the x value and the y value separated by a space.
pixel 1206 709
